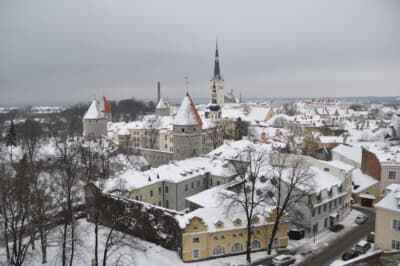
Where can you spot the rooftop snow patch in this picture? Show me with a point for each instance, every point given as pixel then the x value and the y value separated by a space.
pixel 187 114
pixel 163 103
pixel 349 152
pixel 362 180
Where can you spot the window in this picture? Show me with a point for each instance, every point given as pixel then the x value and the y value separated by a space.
pixel 392 175
pixel 159 203
pixel 204 181
pixel 256 244
pixel 191 185
pixel 137 197
pixel 166 189
pixel 237 247
pixel 166 146
pixel 194 129
pixel 395 244
pixel 159 191
pixel 198 183
pixel 340 201
pixel 313 212
pixel 215 237
pixel 319 210
pixel 183 130
pixel 330 205
pixel 166 137
pixel 218 251
pixel 186 187
pixel 196 240
pixel 234 235
pixel 258 232
pixel 166 204
pixel 326 222
pixel 218 183
pixel 151 193
pixel 196 254
pixel 396 225
pixel 326 169
pixel 222 237
pixel 240 234
pixel 325 207
pixel 335 203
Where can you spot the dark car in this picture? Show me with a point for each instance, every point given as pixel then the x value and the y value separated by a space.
pixel 336 228
pixel 296 234
pixel 350 254
pixel 361 219
pixel 371 237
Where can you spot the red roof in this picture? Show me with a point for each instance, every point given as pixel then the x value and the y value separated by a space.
pixel 107 108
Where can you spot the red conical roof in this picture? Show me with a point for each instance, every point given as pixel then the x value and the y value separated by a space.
pixel 107 108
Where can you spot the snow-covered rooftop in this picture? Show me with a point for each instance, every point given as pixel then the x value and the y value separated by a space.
pixel 93 112
pixel 362 181
pixel 187 113
pixel 350 152
pixel 390 202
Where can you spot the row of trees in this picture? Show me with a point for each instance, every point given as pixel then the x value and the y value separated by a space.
pixel 40 194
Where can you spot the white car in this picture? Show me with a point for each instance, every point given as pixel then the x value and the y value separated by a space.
pixel 283 260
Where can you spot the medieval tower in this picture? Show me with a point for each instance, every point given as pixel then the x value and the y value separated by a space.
pixel 187 131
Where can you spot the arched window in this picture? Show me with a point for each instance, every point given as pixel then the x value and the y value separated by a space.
pixel 256 244
pixel 218 251
pixel 237 247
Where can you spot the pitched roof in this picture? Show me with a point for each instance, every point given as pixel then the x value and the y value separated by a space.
pixel 107 108
pixel 187 113
pixel 163 103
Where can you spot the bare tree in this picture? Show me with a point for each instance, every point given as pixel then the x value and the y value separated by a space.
pixel 152 132
pixel 67 192
pixel 96 166
pixel 248 197
pixel 15 205
pixel 291 181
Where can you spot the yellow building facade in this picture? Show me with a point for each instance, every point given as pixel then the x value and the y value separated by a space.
pixel 200 241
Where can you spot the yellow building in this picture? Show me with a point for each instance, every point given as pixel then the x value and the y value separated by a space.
pixel 208 233
pixel 387 221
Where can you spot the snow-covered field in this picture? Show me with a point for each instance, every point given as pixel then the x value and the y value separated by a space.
pixel 137 252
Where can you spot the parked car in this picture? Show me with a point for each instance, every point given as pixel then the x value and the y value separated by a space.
pixel 350 254
pixel 371 237
pixel 336 228
pixel 361 219
pixel 362 246
pixel 296 234
pixel 283 260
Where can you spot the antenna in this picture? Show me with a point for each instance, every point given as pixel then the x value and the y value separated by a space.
pixel 187 83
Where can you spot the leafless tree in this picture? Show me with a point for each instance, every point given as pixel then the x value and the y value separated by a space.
pixel 248 197
pixel 215 135
pixel 152 131
pixel 96 166
pixel 67 192
pixel 291 181
pixel 15 205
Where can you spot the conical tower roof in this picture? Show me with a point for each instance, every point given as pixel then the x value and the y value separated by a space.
pixel 187 114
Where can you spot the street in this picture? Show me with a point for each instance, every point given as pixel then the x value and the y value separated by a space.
pixel 338 246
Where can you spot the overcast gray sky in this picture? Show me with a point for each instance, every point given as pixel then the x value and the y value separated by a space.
pixel 74 50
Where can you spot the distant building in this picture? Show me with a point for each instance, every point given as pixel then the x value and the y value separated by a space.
pixel 162 108
pixel 217 82
pixel 96 118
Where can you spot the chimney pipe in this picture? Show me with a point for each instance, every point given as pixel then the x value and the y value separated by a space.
pixel 158 92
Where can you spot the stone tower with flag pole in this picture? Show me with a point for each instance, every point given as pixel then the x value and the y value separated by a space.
pixel 217 81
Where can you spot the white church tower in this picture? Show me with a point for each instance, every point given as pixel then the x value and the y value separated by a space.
pixel 217 82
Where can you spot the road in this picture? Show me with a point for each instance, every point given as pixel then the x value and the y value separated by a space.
pixel 338 246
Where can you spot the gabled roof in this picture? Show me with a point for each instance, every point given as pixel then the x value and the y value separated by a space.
pixel 187 113
pixel 107 108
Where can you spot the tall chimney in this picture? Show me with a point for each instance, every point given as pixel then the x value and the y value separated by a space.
pixel 158 92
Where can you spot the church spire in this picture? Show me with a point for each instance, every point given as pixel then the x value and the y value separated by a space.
pixel 217 73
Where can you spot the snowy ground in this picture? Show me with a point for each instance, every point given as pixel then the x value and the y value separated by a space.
pixel 144 253
pixel 322 240
pixel 370 252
